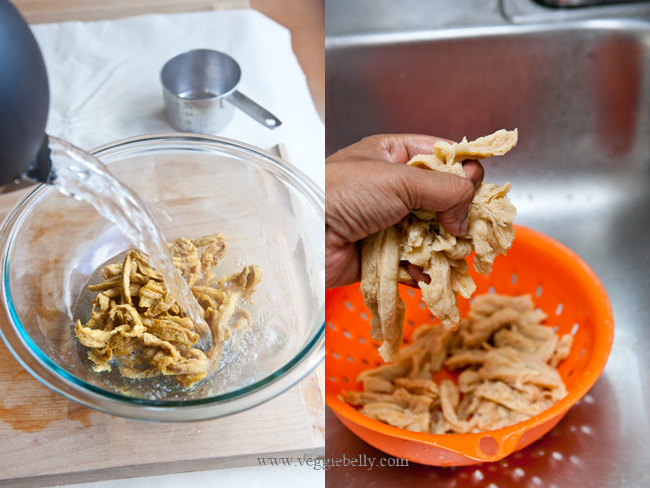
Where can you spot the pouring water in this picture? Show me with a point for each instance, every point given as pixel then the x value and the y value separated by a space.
pixel 77 174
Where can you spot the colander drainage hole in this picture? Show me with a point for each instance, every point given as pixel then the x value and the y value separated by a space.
pixel 364 361
pixel 346 380
pixel 362 340
pixel 364 315
pixel 333 379
pixel 574 329
pixel 491 290
pixel 538 293
pixel 349 305
pixel 556 328
pixel 336 355
pixel 347 334
pixel 582 353
pixel 410 292
pixel 513 278
pixel 559 308
pixel 488 445
pixel 351 359
pixel 411 323
pixel 331 325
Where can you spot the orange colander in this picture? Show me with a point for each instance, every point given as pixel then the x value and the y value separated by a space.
pixel 561 284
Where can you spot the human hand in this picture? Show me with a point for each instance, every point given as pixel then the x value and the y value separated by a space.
pixel 369 187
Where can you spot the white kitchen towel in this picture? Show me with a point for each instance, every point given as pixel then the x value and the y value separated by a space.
pixel 105 79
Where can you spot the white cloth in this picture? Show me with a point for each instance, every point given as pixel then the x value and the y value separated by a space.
pixel 251 477
pixel 105 79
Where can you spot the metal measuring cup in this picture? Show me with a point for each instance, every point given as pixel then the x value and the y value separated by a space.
pixel 200 92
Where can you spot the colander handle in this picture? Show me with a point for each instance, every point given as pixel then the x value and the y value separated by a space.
pixel 485 447
pixel 506 444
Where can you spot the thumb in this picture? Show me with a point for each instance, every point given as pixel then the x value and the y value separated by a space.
pixel 447 194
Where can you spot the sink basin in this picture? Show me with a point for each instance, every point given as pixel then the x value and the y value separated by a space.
pixel 579 93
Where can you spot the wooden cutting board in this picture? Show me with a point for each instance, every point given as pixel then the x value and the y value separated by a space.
pixel 42 11
pixel 46 439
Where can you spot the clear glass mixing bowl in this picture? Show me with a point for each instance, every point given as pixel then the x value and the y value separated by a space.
pixel 271 215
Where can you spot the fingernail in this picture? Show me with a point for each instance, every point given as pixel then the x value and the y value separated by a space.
pixel 463 227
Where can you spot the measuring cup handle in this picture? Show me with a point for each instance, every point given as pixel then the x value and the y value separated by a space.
pixel 248 106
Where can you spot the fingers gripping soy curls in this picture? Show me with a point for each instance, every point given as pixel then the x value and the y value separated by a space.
pixel 422 240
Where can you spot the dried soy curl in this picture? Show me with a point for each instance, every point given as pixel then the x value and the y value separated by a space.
pixel 136 320
pixel 423 241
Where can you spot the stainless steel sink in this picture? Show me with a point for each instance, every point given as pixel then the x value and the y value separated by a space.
pixel 579 93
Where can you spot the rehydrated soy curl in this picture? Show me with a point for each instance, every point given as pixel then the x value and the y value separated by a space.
pixel 508 372
pixel 136 320
pixel 422 240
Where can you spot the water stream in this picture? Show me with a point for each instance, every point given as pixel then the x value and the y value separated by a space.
pixel 77 174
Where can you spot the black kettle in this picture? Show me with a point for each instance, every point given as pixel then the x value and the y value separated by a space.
pixel 24 101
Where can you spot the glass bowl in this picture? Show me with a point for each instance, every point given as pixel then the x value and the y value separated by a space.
pixel 271 214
